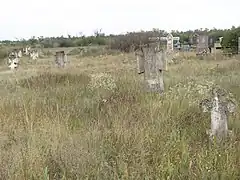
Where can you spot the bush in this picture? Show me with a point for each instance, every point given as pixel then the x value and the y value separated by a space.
pixel 66 43
pixel 131 41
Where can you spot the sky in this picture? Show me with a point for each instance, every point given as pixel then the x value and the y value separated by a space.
pixel 26 18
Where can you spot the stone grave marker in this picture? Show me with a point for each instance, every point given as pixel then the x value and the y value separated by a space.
pixel 61 59
pixel 202 45
pixel 13 63
pixel 27 50
pixel 169 38
pixel 151 64
pixel 33 54
pixel 220 107
pixel 19 53
pixel 238 45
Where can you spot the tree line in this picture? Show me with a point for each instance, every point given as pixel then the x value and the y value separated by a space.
pixel 125 42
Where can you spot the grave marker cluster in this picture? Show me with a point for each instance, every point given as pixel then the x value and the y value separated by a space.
pixel 169 39
pixel 150 62
pixel 13 59
pixel 16 54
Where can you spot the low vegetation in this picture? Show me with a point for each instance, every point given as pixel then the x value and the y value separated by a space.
pixel 96 125
pixel 124 42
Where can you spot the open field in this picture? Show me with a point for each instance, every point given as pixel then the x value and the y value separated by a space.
pixel 77 123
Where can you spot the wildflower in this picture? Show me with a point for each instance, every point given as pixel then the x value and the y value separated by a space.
pixel 102 80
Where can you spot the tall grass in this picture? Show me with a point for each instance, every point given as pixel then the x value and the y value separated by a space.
pixel 63 126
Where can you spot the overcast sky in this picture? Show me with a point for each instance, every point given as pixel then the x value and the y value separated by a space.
pixel 26 18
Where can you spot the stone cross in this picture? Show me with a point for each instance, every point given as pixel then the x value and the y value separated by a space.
pixel 12 55
pixel 202 44
pixel 61 59
pixel 34 55
pixel 13 63
pixel 219 108
pixel 150 61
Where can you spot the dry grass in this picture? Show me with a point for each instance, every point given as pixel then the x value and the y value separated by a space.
pixel 59 125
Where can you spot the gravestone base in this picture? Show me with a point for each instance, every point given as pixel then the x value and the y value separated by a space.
pixel 154 85
pixel 219 136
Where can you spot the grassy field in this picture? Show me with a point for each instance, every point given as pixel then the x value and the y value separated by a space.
pixel 92 120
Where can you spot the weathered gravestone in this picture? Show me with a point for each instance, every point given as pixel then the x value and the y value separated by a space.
pixel 61 59
pixel 33 55
pixel 220 107
pixel 12 55
pixel 13 63
pixel 150 61
pixel 170 39
pixel 26 50
pixel 202 45
pixel 170 45
pixel 19 53
pixel 238 45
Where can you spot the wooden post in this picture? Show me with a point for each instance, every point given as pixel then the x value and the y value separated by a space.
pixel 219 108
pixel 150 62
pixel 61 58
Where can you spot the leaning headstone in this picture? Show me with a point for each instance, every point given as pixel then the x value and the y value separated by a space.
pixel 61 59
pixel 219 106
pixel 202 45
pixel 150 62
pixel 140 61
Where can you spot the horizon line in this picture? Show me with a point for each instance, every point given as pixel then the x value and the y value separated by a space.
pixel 122 33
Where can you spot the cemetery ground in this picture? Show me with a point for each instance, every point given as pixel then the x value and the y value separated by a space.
pixel 93 120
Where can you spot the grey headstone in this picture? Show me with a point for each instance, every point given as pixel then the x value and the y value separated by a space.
pixel 153 69
pixel 60 58
pixel 202 44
